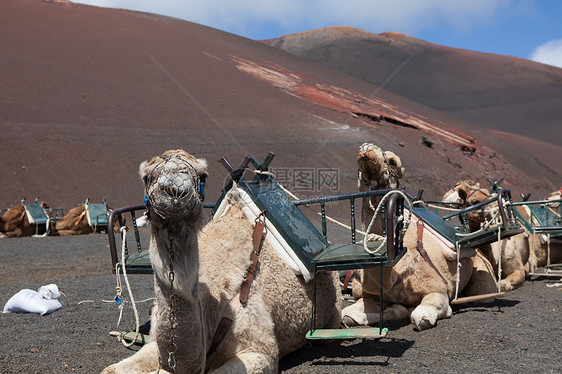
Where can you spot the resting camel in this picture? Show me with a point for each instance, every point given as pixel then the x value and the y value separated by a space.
pixel 75 222
pixel 412 288
pixel 209 266
pixel 542 244
pixel 556 195
pixel 15 223
pixel 514 250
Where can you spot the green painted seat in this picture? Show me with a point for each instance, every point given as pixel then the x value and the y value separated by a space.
pixel 97 214
pixel 37 216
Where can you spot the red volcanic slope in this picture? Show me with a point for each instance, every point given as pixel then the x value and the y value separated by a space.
pixel 88 93
pixel 495 92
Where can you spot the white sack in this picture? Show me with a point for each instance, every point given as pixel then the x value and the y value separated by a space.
pixel 29 301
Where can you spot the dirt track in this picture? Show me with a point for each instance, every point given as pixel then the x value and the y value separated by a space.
pixel 519 333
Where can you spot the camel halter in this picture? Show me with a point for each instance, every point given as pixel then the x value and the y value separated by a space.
pixel 175 187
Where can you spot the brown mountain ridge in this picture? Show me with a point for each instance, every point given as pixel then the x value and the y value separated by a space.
pixel 88 93
pixel 502 98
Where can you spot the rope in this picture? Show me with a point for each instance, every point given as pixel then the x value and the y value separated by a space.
pixel 118 287
pixel 500 260
pixel 406 220
pixel 442 207
pixel 458 276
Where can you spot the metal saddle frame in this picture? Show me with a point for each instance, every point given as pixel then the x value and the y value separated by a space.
pixel 460 234
pixel 39 216
pixel 544 220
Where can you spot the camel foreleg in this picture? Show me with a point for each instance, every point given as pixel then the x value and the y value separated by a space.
pixel 248 362
pixel 366 312
pixel 514 280
pixel 143 362
pixel 433 306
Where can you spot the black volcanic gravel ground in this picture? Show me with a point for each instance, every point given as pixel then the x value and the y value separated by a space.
pixel 519 333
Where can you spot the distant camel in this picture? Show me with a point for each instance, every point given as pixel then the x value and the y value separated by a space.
pixel 15 223
pixel 209 266
pixel 414 287
pixel 77 222
pixel 514 250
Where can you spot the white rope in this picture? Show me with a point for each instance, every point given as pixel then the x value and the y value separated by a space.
pixel 458 276
pixel 548 250
pixel 406 220
pixel 137 324
pixel 442 207
pixel 500 260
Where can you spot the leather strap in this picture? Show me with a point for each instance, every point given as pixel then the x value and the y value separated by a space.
pixel 257 240
pixel 422 251
pixel 224 325
pixel 346 280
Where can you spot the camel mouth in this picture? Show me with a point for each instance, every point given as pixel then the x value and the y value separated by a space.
pixel 173 188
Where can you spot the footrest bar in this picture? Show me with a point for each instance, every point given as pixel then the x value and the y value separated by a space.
pixel 468 299
pixel 130 336
pixel 351 333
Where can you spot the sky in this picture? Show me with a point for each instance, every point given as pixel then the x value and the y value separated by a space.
pixel 523 28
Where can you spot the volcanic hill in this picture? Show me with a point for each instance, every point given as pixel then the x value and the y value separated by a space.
pixel 503 98
pixel 88 93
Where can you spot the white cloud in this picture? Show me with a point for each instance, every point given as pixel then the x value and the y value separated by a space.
pixel 250 17
pixel 549 53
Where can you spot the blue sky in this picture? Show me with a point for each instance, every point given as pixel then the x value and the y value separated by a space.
pixel 523 28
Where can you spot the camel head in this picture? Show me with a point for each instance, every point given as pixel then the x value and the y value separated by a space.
pixel 174 185
pixel 556 195
pixel 379 169
pixel 469 193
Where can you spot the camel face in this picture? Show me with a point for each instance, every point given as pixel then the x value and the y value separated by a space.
pixel 379 169
pixel 173 184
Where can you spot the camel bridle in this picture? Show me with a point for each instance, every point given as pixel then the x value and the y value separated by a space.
pixel 175 188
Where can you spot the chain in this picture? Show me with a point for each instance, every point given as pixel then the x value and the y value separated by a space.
pixel 172 348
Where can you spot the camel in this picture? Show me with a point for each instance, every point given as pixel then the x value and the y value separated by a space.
pixel 546 250
pixel 15 223
pixel 514 250
pixel 199 272
pixel 412 288
pixel 76 222
pixel 555 195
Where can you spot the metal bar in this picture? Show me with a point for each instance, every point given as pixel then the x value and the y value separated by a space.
pixel 317 200
pixel 111 234
pixel 353 226
pixel 381 300
pixel 471 208
pixel 324 228
pixel 537 202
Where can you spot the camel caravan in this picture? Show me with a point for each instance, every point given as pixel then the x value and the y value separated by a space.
pixel 234 316
pixel 39 220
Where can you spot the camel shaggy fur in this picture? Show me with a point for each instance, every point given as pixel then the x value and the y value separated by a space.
pixel 514 250
pixel 412 288
pixel 209 265
pixel 15 223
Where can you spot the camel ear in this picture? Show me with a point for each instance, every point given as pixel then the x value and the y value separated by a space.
pixel 462 192
pixel 395 162
pixel 202 169
pixel 202 162
pixel 142 169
